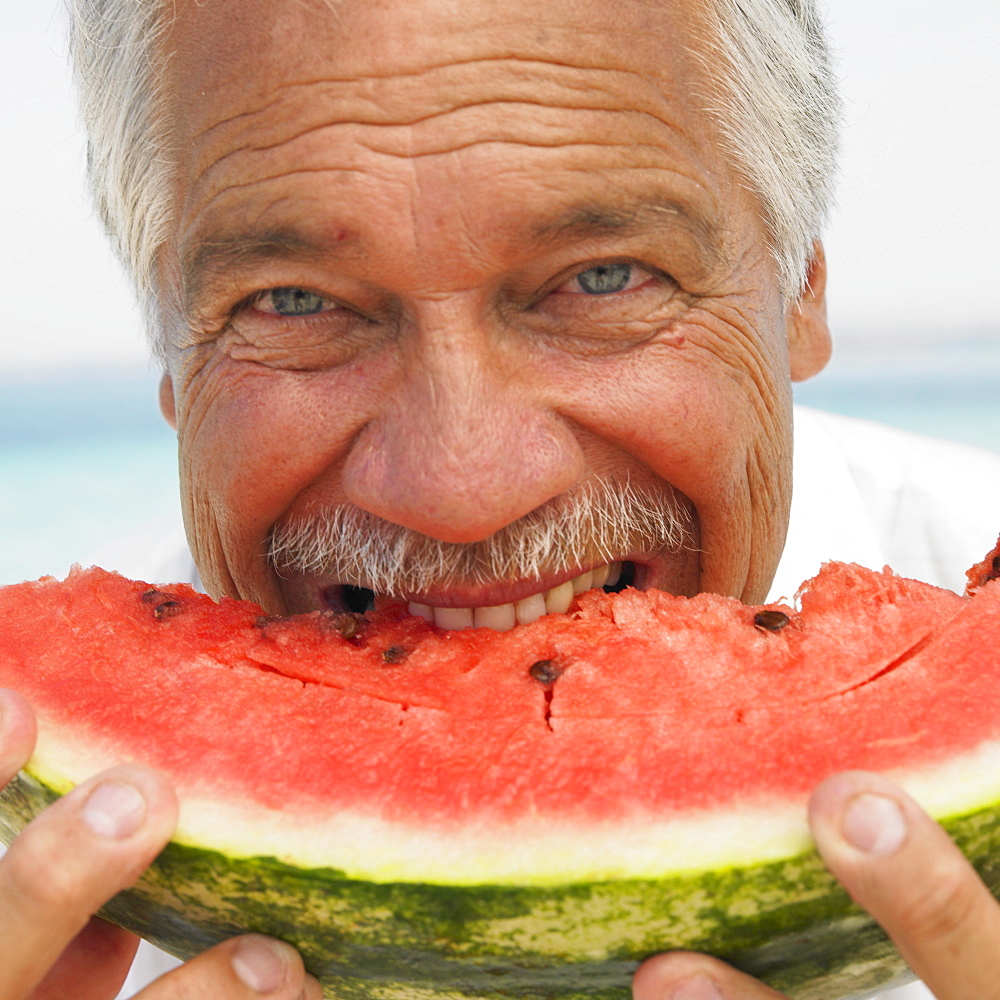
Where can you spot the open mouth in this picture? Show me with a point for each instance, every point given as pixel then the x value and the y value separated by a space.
pixel 556 600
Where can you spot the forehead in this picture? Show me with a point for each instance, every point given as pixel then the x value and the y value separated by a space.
pixel 239 64
pixel 367 98
pixel 288 40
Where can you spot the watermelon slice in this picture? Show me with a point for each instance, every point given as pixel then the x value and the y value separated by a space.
pixel 426 813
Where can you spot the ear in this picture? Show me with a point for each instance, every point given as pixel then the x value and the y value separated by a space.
pixel 809 344
pixel 167 407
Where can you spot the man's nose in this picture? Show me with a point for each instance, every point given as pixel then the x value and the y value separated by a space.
pixel 467 443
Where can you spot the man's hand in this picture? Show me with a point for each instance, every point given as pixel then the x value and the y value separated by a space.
pixel 902 868
pixel 81 851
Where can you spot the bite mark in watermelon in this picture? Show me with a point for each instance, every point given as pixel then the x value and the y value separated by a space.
pixel 449 814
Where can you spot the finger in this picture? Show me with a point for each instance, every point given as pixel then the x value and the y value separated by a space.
pixel 99 945
pixel 17 734
pixel 683 975
pixel 72 858
pixel 244 968
pixel 904 870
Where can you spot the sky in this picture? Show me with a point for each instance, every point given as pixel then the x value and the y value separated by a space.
pixel 912 245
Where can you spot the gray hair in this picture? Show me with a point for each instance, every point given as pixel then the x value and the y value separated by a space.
pixel 778 112
pixel 113 48
pixel 773 98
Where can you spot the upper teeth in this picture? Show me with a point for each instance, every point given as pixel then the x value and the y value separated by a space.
pixel 502 617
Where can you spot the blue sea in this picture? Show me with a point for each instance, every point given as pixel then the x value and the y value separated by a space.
pixel 85 456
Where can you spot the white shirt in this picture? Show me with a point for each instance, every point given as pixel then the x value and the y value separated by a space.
pixel 862 493
pixel 874 495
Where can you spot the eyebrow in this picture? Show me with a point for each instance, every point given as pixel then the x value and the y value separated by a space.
pixel 217 254
pixel 632 217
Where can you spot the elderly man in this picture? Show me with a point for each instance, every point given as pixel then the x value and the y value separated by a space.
pixel 431 274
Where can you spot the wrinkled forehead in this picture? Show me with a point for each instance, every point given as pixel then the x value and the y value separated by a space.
pixel 407 57
pixel 398 124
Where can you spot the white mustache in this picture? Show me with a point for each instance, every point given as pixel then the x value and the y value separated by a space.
pixel 600 523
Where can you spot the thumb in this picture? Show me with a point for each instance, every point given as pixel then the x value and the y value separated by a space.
pixel 901 866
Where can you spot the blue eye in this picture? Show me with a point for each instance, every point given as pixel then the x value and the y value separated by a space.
pixel 293 302
pixel 605 279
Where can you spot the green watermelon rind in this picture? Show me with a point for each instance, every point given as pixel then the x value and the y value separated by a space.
pixel 786 922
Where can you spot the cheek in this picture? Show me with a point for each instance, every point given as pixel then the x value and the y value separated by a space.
pixel 690 414
pixel 253 444
pixel 712 417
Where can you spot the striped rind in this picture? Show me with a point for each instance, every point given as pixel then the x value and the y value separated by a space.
pixel 784 921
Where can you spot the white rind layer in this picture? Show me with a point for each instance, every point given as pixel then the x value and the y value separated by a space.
pixel 531 851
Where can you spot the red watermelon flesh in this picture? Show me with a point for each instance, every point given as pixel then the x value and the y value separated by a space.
pixel 654 704
pixel 479 814
pixel 984 571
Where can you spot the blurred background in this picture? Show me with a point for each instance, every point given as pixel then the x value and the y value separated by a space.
pixel 912 250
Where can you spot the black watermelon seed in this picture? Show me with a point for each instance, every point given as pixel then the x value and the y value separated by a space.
pixel 996 567
pixel 152 596
pixel 770 620
pixel 393 654
pixel 168 609
pixel 545 671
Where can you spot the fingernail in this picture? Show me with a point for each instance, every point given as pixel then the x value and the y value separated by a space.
pixel 260 963
pixel 697 988
pixel 874 824
pixel 114 809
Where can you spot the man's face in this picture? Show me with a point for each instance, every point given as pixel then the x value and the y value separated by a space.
pixel 446 273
